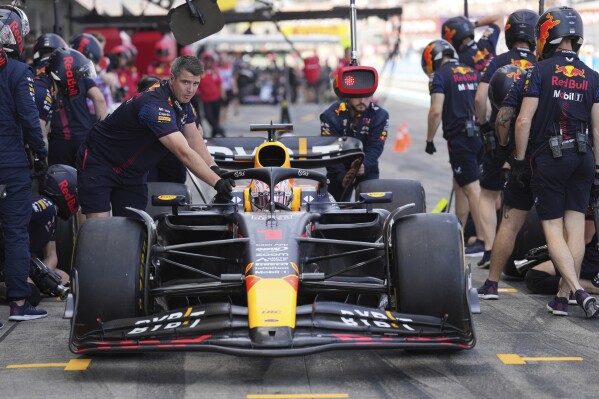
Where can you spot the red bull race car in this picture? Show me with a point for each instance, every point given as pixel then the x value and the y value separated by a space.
pixel 281 270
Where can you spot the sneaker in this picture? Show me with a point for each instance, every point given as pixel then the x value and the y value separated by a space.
pixel 476 249
pixel 485 261
pixel 558 306
pixel 572 299
pixel 25 312
pixel 588 303
pixel 488 290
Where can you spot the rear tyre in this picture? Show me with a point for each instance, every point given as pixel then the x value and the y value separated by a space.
pixel 428 268
pixel 165 188
pixel 405 191
pixel 66 233
pixel 108 267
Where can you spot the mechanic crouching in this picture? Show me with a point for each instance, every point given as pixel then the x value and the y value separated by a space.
pixel 560 105
pixel 366 121
pixel 19 125
pixel 113 162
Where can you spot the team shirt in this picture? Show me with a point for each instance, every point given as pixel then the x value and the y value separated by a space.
pixel 567 89
pixel 69 116
pixel 477 54
pixel 458 82
pixel 127 140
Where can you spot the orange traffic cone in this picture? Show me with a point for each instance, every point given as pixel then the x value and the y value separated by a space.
pixel 402 139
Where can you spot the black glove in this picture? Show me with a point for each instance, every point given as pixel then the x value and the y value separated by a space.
pixel 517 166
pixel 218 170
pixel 502 152
pixel 486 128
pixel 430 148
pixel 224 188
pixel 40 166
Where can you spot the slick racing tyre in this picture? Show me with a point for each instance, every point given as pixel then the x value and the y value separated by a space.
pixel 108 266
pixel 405 191
pixel 165 188
pixel 66 233
pixel 428 270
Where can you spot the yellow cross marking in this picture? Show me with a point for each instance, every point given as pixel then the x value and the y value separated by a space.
pixel 508 290
pixel 72 365
pixel 512 358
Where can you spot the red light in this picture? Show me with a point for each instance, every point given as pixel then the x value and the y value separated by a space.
pixel 349 80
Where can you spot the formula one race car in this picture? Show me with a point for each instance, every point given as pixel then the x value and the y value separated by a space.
pixel 281 270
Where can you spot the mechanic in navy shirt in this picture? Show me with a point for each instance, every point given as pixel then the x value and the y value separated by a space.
pixel 560 108
pixel 70 118
pixel 459 32
pixel 19 126
pixel 520 39
pixel 362 119
pixel 114 161
pixel 506 94
pixel 453 87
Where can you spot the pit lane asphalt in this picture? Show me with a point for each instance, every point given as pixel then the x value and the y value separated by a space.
pixel 560 354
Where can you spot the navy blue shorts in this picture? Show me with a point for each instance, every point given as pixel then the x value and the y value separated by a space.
pixel 64 151
pixel 102 190
pixel 491 174
pixel 562 183
pixel 465 156
pixel 519 196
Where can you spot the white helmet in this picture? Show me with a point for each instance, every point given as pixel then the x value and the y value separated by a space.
pixel 261 194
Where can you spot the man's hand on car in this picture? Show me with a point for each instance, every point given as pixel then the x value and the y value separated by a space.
pixel 224 188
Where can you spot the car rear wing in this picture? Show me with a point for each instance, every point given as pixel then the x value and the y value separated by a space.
pixel 307 152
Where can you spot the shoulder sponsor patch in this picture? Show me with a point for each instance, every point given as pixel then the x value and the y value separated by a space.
pixel 164 118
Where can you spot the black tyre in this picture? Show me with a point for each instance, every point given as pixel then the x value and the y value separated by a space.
pixel 108 266
pixel 165 188
pixel 530 236
pixel 405 191
pixel 428 268
pixel 66 234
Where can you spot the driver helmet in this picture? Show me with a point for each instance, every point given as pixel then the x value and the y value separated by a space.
pixel 433 55
pixel 456 29
pixel 46 44
pixel 553 26
pixel 89 46
pixel 60 185
pixel 260 194
pixel 63 62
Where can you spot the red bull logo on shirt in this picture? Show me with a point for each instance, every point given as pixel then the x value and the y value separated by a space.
pixel 523 63
pixel 514 75
pixel 569 70
pixel 480 55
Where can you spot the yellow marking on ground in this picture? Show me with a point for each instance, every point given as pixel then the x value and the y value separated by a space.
pixel 508 290
pixel 72 365
pixel 512 358
pixel 298 396
pixel 440 207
